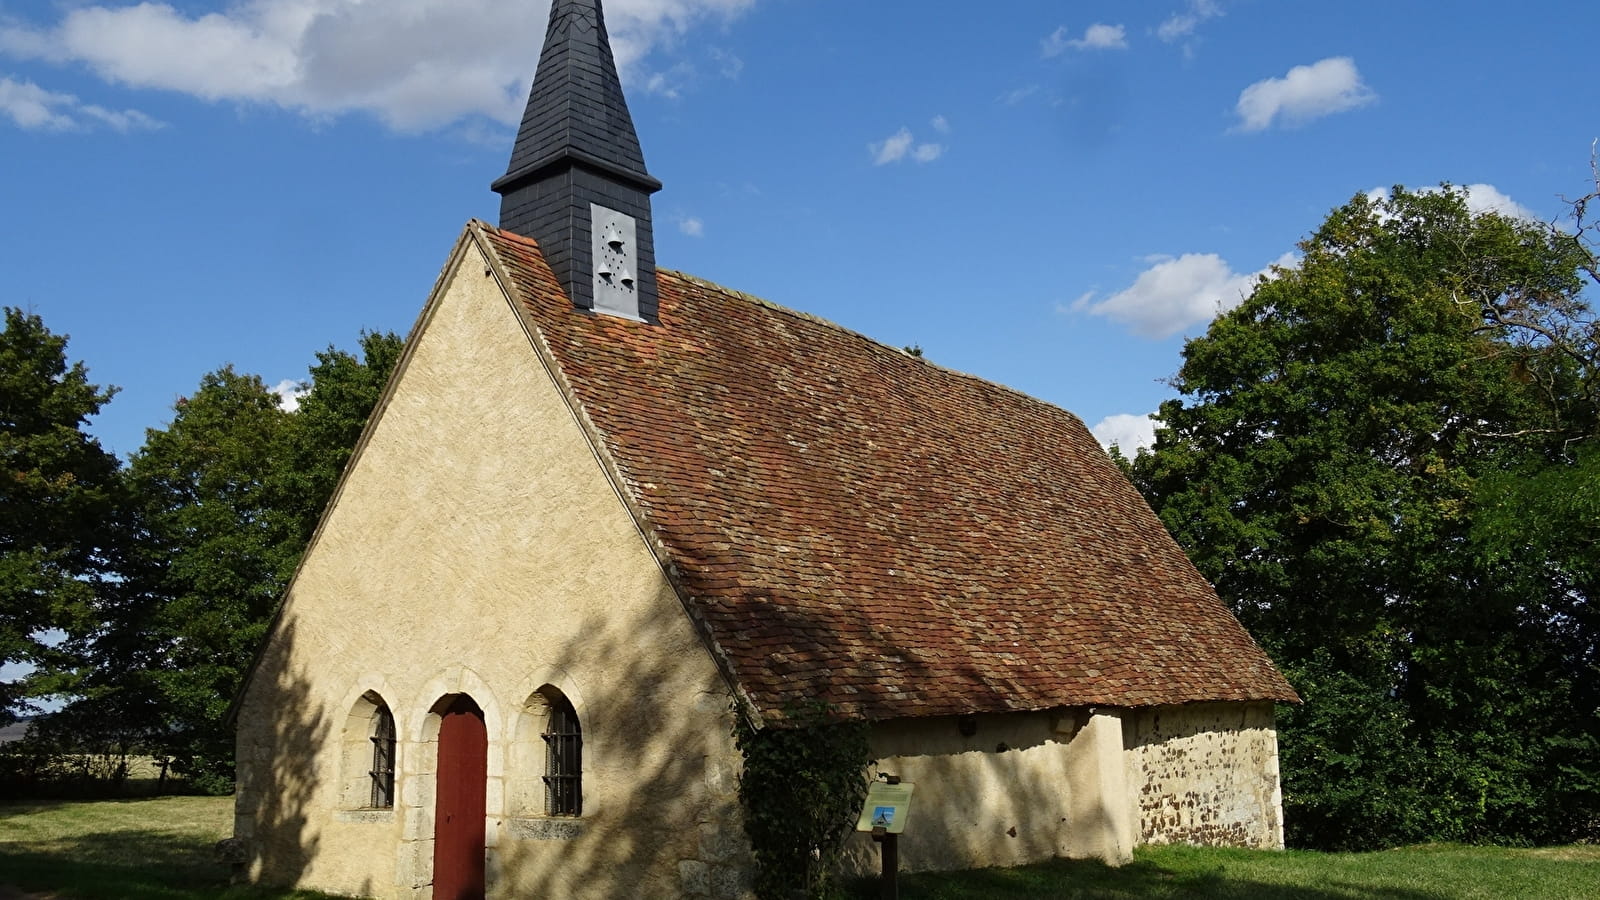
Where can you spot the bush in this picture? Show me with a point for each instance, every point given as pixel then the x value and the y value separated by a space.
pixel 801 788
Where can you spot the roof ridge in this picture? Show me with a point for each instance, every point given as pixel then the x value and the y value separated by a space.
pixel 769 304
pixel 829 323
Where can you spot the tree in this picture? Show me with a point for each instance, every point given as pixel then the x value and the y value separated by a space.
pixel 58 504
pixel 227 497
pixel 343 391
pixel 212 556
pixel 1347 432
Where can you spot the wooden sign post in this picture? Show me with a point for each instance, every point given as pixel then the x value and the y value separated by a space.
pixel 884 817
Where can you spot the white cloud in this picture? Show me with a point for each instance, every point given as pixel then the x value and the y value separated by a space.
pixel 1308 92
pixel 416 64
pixel 1175 294
pixel 902 144
pixel 1486 198
pixel 1130 433
pixel 124 120
pixel 1096 37
pixel 1183 24
pixel 32 108
pixel 940 124
pixel 1480 198
pixel 729 65
pixel 891 149
pixel 664 84
pixel 692 226
pixel 1013 97
pixel 289 393
pixel 1055 43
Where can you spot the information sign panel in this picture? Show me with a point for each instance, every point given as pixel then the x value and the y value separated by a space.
pixel 887 807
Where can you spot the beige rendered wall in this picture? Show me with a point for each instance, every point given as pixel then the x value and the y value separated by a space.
pixel 1205 773
pixel 1023 787
pixel 477 548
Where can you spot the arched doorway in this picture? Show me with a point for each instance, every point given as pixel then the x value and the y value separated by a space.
pixel 458 821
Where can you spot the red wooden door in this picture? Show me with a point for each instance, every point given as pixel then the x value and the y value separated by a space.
pixel 458 818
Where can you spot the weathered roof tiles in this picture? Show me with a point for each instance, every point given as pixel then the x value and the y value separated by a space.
pixel 850 523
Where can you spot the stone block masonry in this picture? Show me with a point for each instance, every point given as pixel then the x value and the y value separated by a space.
pixel 1205 773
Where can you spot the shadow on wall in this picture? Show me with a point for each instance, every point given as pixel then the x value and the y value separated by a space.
pixel 660 813
pixel 997 798
pixel 272 812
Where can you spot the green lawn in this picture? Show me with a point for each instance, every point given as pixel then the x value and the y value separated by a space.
pixel 145 849
pixel 160 849
pixel 1418 873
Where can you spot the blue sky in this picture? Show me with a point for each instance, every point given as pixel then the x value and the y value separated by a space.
pixel 1047 194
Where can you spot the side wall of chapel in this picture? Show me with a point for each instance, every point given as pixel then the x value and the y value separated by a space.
pixel 1006 790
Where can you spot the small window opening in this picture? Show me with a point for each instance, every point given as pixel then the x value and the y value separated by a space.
pixel 382 773
pixel 563 776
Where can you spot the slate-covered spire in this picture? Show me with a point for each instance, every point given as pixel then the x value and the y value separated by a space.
pixel 577 182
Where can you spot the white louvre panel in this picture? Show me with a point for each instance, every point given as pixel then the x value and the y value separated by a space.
pixel 616 262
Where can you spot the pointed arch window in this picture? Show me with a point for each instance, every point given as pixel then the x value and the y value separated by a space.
pixel 382 773
pixel 563 773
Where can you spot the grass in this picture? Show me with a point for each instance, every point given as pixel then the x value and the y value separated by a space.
pixel 160 849
pixel 1433 872
pixel 145 849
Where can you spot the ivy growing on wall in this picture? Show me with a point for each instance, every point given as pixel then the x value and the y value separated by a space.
pixel 802 787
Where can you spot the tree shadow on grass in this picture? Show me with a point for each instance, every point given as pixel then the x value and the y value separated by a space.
pixel 124 865
pixel 1094 880
pixel 81 870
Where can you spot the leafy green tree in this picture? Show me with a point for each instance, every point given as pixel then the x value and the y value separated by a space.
pixel 212 557
pixel 343 391
pixel 227 497
pixel 1342 433
pixel 58 504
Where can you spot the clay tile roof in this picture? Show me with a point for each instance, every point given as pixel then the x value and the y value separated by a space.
pixel 851 523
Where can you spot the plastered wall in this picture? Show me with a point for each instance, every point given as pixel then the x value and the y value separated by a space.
pixel 1205 773
pixel 1019 788
pixel 477 548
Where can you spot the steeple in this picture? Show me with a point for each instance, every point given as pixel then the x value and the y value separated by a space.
pixel 577 183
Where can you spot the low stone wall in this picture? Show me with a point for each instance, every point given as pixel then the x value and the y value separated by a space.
pixel 1205 773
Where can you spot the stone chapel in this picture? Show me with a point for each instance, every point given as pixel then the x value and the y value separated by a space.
pixel 603 507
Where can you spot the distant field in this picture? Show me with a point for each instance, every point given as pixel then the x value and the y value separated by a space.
pixel 82 776
pixel 160 849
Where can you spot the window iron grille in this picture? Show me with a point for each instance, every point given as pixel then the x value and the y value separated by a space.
pixel 563 778
pixel 382 773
